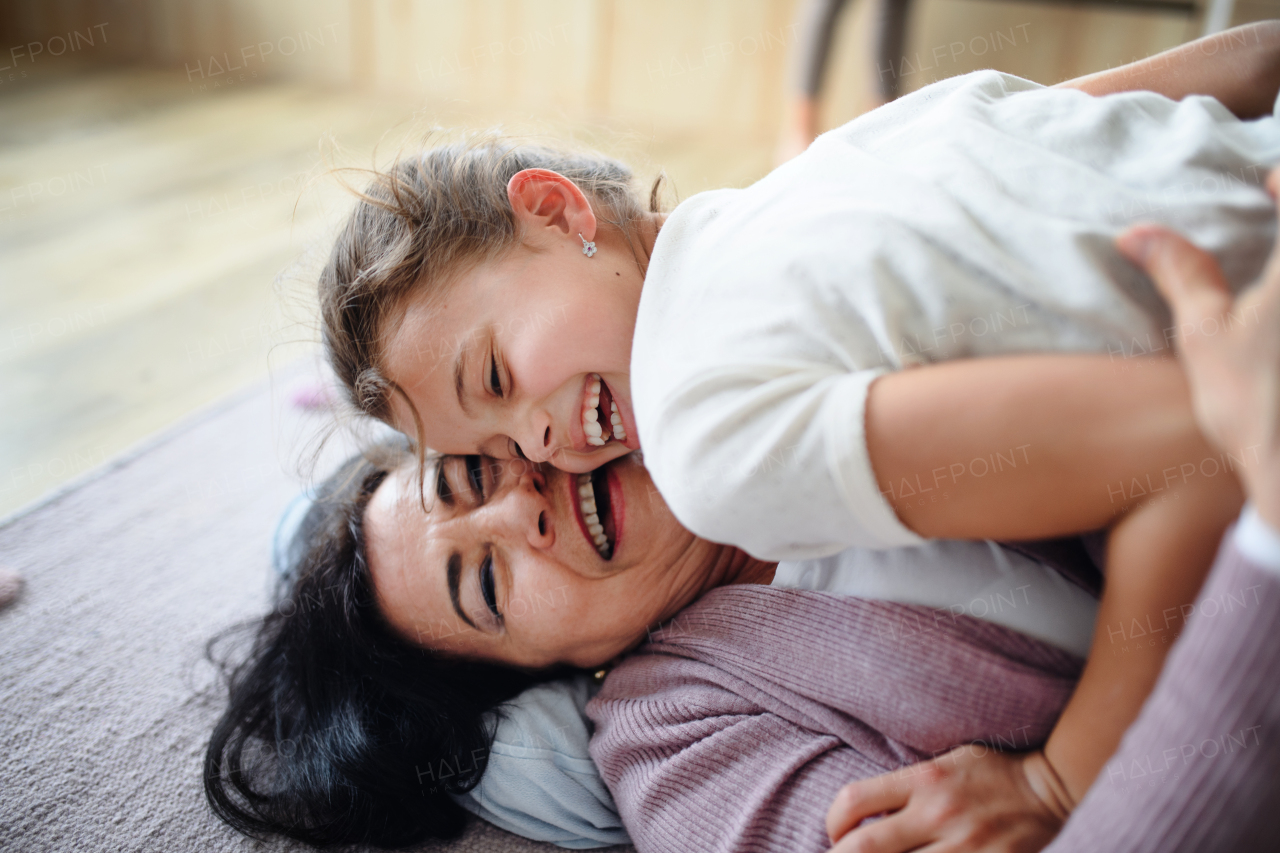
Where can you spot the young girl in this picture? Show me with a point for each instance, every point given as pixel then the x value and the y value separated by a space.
pixel 515 301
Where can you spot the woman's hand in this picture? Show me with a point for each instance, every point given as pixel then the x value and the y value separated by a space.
pixel 964 801
pixel 1239 67
pixel 1229 349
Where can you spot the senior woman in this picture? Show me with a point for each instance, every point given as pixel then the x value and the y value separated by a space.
pixel 403 627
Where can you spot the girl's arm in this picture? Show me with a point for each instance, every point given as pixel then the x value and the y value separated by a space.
pixel 1026 447
pixel 1029 446
pixel 1234 375
pixel 1065 444
pixel 1240 67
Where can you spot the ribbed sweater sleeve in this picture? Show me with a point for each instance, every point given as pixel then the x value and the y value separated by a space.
pixel 1200 768
pixel 735 725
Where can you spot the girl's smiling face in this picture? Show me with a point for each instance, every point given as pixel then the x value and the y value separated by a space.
pixel 528 355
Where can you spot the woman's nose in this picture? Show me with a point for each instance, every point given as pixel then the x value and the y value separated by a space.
pixel 529 510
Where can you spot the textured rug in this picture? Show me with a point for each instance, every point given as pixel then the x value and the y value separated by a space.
pixel 106 702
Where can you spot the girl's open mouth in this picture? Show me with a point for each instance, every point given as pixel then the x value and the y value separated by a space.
pixel 601 421
pixel 593 505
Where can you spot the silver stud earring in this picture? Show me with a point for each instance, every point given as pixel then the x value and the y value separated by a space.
pixel 588 246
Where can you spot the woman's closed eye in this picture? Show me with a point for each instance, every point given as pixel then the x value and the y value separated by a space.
pixel 475 477
pixel 474 490
pixel 443 490
pixel 488 588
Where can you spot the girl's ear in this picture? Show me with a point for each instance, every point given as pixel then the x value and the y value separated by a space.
pixel 544 199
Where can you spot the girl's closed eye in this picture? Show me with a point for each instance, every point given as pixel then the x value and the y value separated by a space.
pixel 495 379
pixel 495 387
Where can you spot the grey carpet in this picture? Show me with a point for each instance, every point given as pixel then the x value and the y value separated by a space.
pixel 106 702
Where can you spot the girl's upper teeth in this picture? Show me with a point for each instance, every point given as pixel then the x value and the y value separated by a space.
pixel 595 433
pixel 587 502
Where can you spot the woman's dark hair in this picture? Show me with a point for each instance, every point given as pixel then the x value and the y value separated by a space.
pixel 338 730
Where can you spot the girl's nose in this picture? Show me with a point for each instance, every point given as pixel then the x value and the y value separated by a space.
pixel 540 447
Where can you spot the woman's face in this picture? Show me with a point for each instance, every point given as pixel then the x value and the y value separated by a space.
pixel 530 355
pixel 530 566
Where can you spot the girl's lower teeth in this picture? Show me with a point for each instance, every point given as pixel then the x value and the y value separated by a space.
pixel 591 426
pixel 587 503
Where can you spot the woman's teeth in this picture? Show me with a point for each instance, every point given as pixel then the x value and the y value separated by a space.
pixel 596 436
pixel 587 501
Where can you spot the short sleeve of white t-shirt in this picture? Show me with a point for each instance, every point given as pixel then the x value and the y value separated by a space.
pixel 973 217
pixel 977 579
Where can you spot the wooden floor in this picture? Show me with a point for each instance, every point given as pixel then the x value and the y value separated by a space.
pixel 158 246
pixel 160 233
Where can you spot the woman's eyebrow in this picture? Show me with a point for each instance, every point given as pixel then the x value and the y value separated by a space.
pixel 455 573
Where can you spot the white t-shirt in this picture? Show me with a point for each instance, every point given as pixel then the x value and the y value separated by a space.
pixel 973 217
pixel 978 579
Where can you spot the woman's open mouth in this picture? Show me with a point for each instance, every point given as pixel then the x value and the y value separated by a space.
pixel 593 508
pixel 601 422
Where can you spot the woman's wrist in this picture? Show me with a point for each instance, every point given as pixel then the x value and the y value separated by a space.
pixel 1047 785
pixel 1261 482
pixel 1264 67
pixel 1266 503
pixel 1258 538
pixel 1239 67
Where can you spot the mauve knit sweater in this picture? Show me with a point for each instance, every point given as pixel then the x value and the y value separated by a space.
pixel 735 725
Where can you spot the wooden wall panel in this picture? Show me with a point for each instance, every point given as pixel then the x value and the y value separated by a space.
pixel 658 66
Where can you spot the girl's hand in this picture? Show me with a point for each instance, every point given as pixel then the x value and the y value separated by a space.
pixel 963 801
pixel 1229 348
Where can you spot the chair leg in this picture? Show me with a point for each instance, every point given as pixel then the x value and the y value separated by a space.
pixel 890 37
pixel 1217 16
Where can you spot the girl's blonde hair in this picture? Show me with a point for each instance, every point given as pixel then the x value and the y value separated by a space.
pixel 430 217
